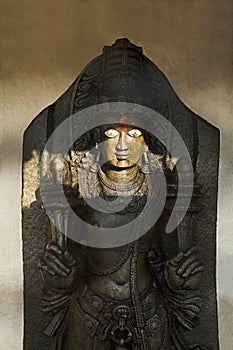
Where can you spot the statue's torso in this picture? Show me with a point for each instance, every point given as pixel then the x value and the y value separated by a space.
pixel 109 268
pixel 116 285
pixel 119 279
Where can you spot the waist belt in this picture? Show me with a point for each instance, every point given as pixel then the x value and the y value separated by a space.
pixel 115 320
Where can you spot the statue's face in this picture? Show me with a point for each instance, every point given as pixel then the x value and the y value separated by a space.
pixel 123 147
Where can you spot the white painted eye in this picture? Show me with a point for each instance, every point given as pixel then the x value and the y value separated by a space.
pixel 111 133
pixel 134 133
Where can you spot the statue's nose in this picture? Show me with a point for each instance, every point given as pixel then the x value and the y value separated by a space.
pixel 122 143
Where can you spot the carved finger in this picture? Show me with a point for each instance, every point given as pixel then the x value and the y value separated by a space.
pixel 188 312
pixel 59 264
pixel 43 267
pixel 190 252
pixel 177 259
pixel 198 269
pixel 185 264
pixel 47 269
pixel 69 257
pixel 191 308
pixel 54 248
pixel 56 268
pixel 191 268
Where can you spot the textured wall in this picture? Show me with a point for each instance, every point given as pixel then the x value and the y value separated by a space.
pixel 45 45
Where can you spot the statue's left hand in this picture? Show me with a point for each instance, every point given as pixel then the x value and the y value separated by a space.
pixel 58 268
pixel 184 271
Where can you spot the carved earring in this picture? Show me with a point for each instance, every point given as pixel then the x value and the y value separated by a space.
pixel 95 166
pixel 146 162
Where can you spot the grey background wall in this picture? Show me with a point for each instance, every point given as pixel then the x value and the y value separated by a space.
pixel 45 44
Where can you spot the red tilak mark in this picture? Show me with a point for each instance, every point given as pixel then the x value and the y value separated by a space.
pixel 124 120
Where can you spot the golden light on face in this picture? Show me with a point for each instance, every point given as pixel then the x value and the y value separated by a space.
pixel 124 146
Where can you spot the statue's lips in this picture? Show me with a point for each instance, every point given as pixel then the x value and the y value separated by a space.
pixel 122 156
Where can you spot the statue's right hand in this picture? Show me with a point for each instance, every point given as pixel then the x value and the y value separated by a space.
pixel 58 268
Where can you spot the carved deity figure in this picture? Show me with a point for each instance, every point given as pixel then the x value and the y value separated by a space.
pixel 139 295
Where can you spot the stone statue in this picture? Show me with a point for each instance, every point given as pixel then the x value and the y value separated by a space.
pixel 145 294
